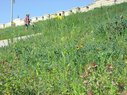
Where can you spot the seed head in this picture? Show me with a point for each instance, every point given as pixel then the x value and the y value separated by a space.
pixel 92 65
pixel 10 67
pixel 108 65
pixel 85 81
pixel 90 92
pixel 83 75
pixel 88 71
pixel 3 61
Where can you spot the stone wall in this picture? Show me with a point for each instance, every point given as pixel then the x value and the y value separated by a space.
pixel 46 16
pixel 40 18
pixel 75 10
pixel 2 26
pixel 19 22
pixel 66 13
pixel 97 3
pixel 52 16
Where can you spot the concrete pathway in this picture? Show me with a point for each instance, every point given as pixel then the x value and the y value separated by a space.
pixel 6 42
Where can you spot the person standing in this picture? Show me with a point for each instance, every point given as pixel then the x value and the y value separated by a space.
pixel 60 17
pixel 27 21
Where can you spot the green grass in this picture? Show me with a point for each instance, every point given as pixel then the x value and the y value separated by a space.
pixel 50 64
pixel 12 32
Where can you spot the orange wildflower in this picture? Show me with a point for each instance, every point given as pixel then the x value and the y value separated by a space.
pixel 77 48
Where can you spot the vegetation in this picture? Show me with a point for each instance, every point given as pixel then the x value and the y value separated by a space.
pixel 12 32
pixel 83 54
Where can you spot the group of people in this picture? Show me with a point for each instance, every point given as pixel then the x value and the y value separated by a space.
pixel 59 17
pixel 27 20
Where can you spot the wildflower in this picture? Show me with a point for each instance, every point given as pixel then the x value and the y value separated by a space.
pixel 82 45
pixel 77 48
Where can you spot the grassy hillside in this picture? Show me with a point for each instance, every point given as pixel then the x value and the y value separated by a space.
pixel 98 15
pixel 83 54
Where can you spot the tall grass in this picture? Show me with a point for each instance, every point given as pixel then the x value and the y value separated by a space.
pixel 51 63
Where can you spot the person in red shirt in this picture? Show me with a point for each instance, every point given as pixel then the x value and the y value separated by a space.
pixel 27 21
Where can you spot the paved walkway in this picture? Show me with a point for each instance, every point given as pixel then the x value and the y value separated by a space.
pixel 7 41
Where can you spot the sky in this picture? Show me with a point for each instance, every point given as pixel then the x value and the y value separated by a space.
pixel 37 8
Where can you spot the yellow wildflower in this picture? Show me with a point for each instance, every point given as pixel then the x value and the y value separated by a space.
pixel 81 45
